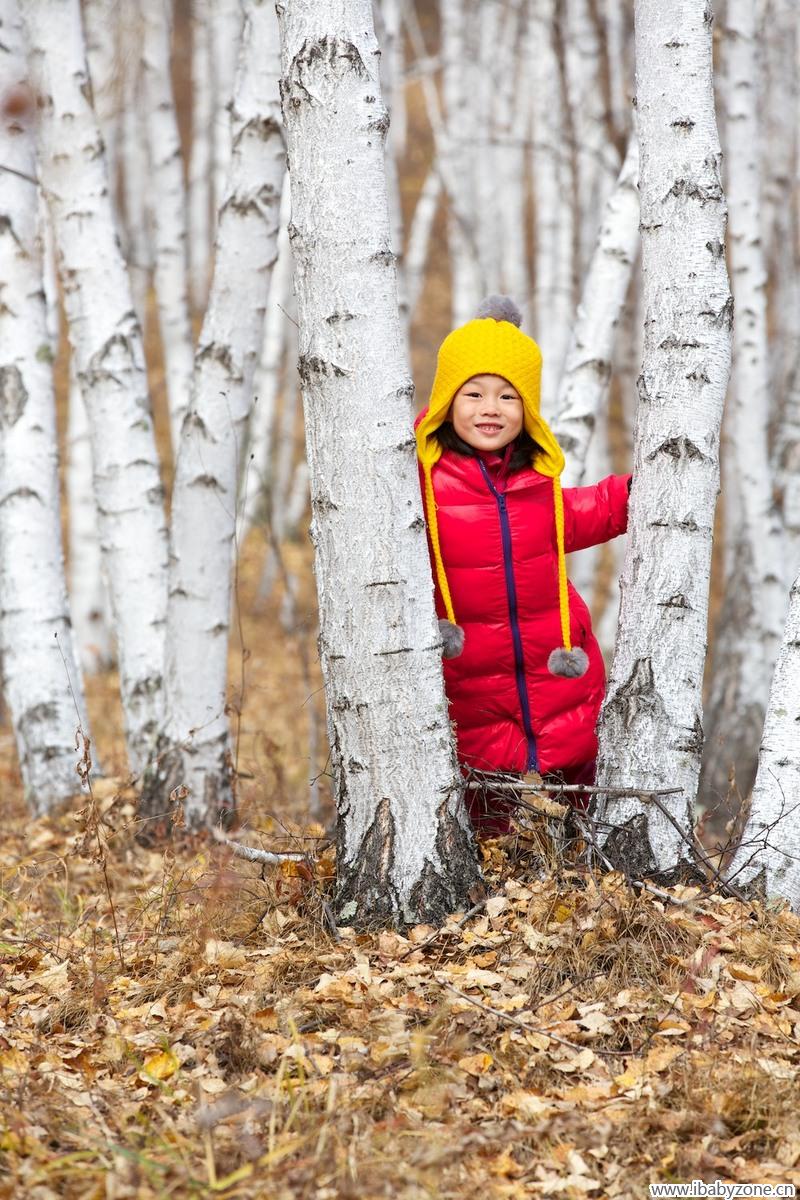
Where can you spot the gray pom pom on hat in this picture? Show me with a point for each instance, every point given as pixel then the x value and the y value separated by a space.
pixel 570 664
pixel 452 639
pixel 502 308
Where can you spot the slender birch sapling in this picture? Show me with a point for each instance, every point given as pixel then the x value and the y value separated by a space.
pixel 106 340
pixel 195 747
pixel 40 675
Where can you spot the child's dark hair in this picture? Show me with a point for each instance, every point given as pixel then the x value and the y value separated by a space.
pixel 524 446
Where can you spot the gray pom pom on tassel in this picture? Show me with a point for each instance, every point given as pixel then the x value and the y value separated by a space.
pixel 502 308
pixel 452 639
pixel 569 663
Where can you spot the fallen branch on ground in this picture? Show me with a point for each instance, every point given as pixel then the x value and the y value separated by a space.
pixel 251 854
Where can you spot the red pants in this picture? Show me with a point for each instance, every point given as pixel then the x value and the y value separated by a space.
pixel 490 811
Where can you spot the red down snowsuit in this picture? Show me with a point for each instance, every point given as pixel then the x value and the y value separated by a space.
pixel 500 558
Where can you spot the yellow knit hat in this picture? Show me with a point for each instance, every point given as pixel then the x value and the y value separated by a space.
pixel 493 344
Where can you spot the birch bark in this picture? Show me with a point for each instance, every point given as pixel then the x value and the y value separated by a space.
pixel 107 344
pixel 554 199
pixel 256 476
pixel 751 622
pixel 587 370
pixel 136 226
pixel 419 236
pixel 768 858
pixel 226 31
pixel 39 668
pixel 201 153
pixel 195 747
pixel 405 853
pixel 168 206
pixel 101 20
pixel 466 287
pixel 87 589
pixel 650 728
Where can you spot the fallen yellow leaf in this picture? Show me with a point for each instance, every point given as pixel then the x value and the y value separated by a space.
pixel 159 1066
pixel 476 1064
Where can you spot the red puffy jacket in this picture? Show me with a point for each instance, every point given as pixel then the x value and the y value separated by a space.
pixel 499 553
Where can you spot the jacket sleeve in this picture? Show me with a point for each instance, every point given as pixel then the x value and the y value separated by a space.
pixel 595 514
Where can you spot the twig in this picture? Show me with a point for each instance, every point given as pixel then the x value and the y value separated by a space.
pixel 476 908
pixel 557 788
pixel 251 854
pixel 495 1012
pixel 635 883
pixel 698 853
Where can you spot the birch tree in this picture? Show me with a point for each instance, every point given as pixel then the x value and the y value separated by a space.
pixel 169 210
pixel 107 344
pixel 752 617
pixel 87 589
pixel 651 732
pixel 768 858
pixel 201 152
pixel 41 678
pixel 194 747
pixel 404 850
pixel 555 200
pixel 587 370
pixel 466 287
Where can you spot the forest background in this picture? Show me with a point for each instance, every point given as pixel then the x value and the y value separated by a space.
pixel 177 1024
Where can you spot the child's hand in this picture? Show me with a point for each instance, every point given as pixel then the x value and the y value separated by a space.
pixel 452 639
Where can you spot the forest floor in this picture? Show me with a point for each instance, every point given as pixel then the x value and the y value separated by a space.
pixel 175 1025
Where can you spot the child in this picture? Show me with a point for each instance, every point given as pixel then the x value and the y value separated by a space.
pixel 523 672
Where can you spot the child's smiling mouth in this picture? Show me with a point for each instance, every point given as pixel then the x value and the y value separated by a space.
pixel 489 428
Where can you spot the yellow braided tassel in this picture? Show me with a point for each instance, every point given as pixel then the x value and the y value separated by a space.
pixel 433 529
pixel 563 594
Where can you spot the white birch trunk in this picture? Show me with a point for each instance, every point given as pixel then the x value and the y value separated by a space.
pixel 587 371
pixel 257 473
pixel 195 749
pixel 405 853
pixel 778 37
pixel 511 129
pixel 555 203
pixel 618 40
pixel 390 36
pixel 137 243
pixel 168 209
pixel 483 65
pixel 101 22
pixel 41 679
pixel 49 274
pixel 107 344
pixel 751 622
pixel 419 237
pixel 651 730
pixel 88 594
pixel 786 467
pixel 466 284
pixel 201 153
pixel 226 34
pixel 596 159
pixel 768 858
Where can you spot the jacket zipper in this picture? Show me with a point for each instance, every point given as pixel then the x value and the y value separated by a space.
pixel 516 637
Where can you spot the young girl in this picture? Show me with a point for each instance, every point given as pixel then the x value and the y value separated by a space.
pixel 523 672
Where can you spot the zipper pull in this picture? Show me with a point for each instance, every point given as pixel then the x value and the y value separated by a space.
pixel 501 500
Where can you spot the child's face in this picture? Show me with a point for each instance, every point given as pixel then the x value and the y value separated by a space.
pixel 487 412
